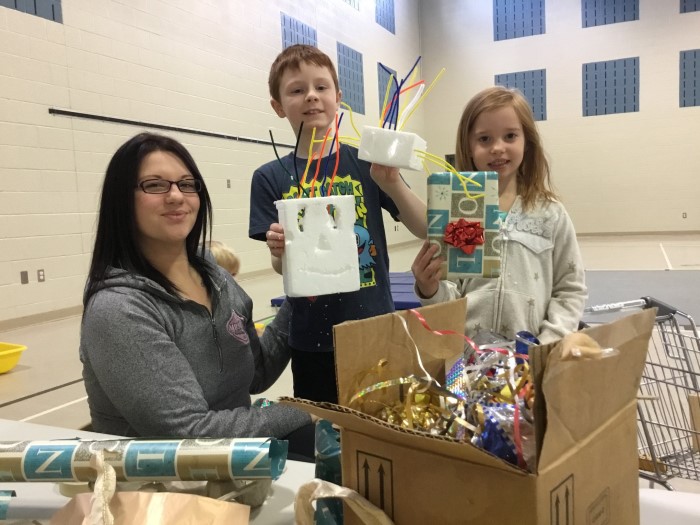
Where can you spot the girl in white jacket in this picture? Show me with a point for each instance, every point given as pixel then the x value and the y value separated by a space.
pixel 541 287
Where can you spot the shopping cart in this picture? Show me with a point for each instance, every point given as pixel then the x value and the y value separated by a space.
pixel 669 394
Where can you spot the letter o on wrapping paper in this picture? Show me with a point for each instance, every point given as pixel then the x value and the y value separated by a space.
pixel 468 210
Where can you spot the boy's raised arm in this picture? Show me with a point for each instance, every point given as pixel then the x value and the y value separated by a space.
pixel 412 210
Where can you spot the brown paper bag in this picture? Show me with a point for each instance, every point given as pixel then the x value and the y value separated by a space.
pixel 155 508
pixel 578 397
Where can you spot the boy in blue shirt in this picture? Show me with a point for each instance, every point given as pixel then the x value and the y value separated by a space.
pixel 304 89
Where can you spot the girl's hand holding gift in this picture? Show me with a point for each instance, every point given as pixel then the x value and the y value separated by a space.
pixel 426 269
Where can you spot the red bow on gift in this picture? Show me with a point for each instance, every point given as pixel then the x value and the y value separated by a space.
pixel 464 235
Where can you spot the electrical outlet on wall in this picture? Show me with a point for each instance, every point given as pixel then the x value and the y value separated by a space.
pixel 40 277
pixel 685 215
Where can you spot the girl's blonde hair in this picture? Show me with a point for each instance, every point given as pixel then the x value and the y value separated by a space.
pixel 533 176
pixel 225 257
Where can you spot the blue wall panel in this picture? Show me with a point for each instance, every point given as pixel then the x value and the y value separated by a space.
pixel 351 78
pixel 532 84
pixel 689 88
pixel 296 32
pixel 602 12
pixel 48 9
pixel 384 14
pixel 383 77
pixel 690 6
pixel 518 18
pixel 611 87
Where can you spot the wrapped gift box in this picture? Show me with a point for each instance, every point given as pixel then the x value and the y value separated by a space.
pixel 448 202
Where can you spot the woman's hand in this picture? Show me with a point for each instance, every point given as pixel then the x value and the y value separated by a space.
pixel 275 239
pixel 426 270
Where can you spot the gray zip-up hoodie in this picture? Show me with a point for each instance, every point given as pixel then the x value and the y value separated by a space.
pixel 157 365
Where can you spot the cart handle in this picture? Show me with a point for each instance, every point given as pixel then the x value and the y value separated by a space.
pixel 616 307
pixel 664 310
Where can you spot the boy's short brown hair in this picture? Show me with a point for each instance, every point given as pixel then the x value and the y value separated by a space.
pixel 292 58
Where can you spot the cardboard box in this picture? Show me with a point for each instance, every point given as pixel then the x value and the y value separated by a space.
pixel 585 426
pixel 694 409
pixel 448 203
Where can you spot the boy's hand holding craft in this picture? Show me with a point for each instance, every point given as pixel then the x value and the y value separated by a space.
pixel 275 239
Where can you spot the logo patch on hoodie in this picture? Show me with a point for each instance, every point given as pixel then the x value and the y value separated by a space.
pixel 236 328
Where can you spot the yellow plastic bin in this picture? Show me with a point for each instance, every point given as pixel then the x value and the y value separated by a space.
pixel 9 356
pixel 262 323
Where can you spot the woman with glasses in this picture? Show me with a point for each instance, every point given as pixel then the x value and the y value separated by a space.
pixel 168 343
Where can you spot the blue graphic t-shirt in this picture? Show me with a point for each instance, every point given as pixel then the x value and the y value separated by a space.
pixel 313 318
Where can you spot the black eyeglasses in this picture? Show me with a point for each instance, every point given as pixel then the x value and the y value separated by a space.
pixel 163 186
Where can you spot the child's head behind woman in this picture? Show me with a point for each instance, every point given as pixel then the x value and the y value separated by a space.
pixel 533 174
pixel 225 257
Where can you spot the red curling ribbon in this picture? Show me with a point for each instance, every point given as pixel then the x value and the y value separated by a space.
pixel 464 234
pixel 425 324
pixel 471 343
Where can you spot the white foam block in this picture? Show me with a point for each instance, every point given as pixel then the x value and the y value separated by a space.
pixel 391 148
pixel 320 251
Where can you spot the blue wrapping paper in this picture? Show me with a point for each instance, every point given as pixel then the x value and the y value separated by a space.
pixel 448 202
pixel 203 459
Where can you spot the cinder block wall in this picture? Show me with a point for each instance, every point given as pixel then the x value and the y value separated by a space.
pixel 200 65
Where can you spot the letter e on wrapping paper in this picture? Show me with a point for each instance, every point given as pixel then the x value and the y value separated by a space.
pixel 375 481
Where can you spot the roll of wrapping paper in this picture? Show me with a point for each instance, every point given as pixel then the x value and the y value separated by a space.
pixel 204 459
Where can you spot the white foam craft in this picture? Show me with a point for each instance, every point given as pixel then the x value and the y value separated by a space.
pixel 391 148
pixel 320 252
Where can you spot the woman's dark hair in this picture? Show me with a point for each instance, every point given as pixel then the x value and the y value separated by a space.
pixel 116 238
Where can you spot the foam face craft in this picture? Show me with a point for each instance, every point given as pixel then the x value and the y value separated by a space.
pixel 320 252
